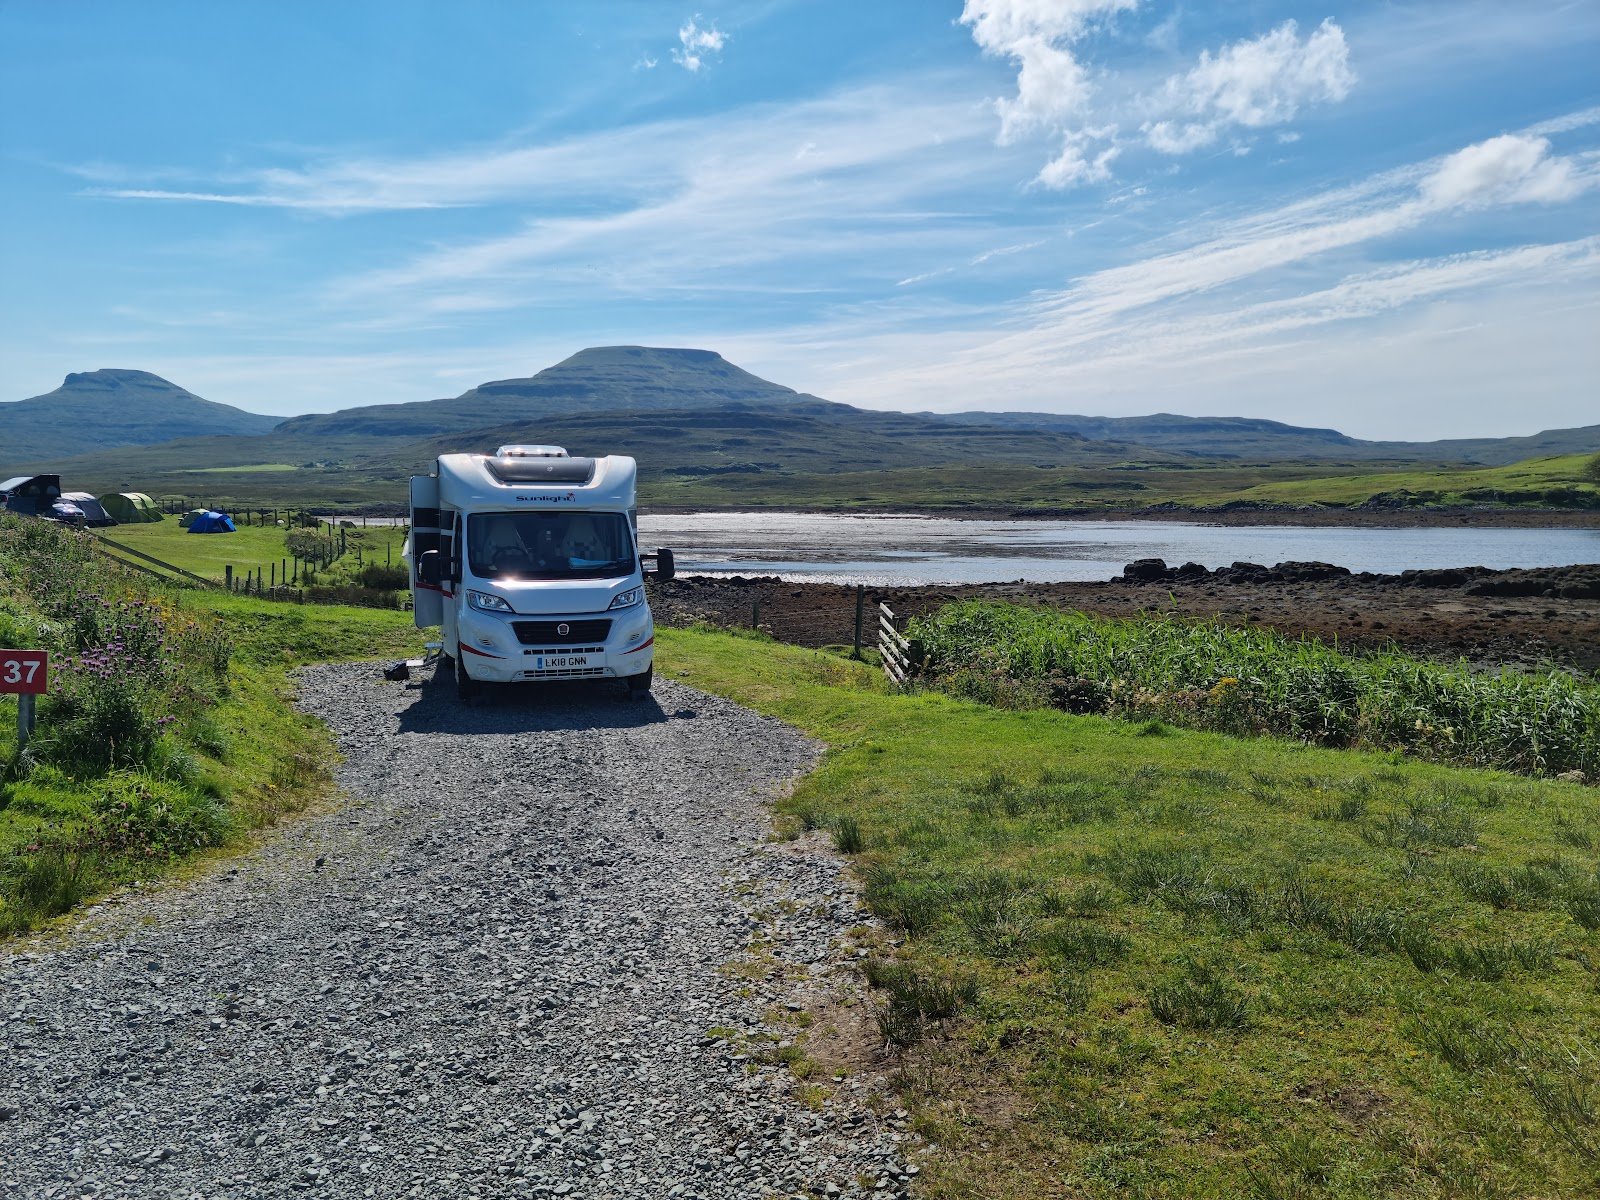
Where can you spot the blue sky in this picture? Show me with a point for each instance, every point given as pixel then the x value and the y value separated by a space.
pixel 1383 217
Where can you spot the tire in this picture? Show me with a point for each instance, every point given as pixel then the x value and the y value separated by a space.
pixel 639 685
pixel 466 685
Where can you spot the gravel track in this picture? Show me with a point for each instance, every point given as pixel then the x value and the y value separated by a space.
pixel 495 971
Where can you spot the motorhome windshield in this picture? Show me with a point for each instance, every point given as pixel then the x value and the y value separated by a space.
pixel 549 545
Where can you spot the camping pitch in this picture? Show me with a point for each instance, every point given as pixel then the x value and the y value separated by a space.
pixel 130 508
pixel 211 522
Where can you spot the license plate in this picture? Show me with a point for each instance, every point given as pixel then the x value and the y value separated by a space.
pixel 560 662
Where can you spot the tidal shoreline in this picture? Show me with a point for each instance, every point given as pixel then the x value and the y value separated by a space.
pixel 1403 518
pixel 1521 618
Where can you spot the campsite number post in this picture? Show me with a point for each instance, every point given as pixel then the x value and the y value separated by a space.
pixel 25 674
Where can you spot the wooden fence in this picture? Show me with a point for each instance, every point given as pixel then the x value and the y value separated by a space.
pixel 893 647
pixel 118 550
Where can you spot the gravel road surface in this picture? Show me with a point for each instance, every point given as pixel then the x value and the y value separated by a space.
pixel 499 970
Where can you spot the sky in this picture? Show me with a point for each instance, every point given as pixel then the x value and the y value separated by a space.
pixel 1382 217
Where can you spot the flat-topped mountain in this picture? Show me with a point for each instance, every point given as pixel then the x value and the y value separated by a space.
pixel 101 410
pixel 610 378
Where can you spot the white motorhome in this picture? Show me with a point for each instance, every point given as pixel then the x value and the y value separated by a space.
pixel 528 561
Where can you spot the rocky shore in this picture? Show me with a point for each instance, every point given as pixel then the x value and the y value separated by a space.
pixel 1516 618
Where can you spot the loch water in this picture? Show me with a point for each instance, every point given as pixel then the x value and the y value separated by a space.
pixel 889 550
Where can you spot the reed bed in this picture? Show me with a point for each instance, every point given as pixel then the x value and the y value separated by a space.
pixel 1206 674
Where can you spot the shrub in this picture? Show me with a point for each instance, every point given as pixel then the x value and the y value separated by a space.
pixel 382 578
pixel 96 721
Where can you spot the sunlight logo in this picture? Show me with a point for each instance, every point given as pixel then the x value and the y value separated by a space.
pixel 550 498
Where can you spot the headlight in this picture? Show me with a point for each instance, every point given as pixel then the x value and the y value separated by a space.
pixel 484 602
pixel 627 599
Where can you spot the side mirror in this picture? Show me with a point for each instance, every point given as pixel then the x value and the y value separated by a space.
pixel 430 569
pixel 666 568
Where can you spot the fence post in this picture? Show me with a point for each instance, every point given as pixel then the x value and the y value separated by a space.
pixel 861 599
pixel 755 613
pixel 25 719
pixel 227 573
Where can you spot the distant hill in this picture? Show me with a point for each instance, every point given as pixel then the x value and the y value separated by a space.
pixel 101 410
pixel 611 378
pixel 1250 439
pixel 805 436
pixel 700 425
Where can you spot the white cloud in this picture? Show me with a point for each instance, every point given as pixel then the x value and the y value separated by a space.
pixel 1053 86
pixel 1250 84
pixel 1509 169
pixel 1075 164
pixel 1254 84
pixel 694 43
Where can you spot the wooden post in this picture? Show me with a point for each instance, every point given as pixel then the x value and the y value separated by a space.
pixel 755 613
pixel 227 574
pixel 274 575
pixel 861 599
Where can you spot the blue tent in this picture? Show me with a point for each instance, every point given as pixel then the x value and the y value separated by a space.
pixel 212 522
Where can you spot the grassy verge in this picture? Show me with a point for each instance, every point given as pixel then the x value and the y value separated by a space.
pixel 169 728
pixel 1140 961
pixel 1212 675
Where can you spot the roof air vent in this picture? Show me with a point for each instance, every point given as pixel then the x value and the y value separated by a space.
pixel 530 452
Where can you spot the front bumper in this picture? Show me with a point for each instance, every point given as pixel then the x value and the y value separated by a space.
pixel 492 653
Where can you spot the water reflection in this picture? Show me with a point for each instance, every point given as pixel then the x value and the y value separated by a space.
pixel 906 550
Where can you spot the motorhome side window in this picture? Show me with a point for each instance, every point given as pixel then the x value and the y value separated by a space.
pixel 549 545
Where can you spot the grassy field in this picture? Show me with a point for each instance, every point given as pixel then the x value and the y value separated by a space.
pixel 1527 481
pixel 251 547
pixel 168 730
pixel 1139 961
pixel 1029 486
pixel 247 469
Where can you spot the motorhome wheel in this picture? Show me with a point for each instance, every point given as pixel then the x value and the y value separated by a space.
pixel 466 685
pixel 639 685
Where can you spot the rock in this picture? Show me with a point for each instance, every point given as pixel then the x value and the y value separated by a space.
pixel 1145 570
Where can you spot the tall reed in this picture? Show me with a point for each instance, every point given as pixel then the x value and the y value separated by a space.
pixel 1210 675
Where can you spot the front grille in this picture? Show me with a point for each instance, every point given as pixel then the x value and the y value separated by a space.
pixel 545 633
pixel 570 650
pixel 574 673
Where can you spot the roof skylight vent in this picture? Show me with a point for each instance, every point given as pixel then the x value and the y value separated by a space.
pixel 530 452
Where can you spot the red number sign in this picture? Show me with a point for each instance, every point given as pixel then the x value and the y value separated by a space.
pixel 24 671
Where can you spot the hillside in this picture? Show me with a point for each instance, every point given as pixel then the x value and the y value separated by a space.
pixel 738 443
pixel 101 410
pixel 1558 481
pixel 1251 439
pixel 612 378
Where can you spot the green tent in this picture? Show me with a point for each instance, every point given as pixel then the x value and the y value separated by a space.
pixel 130 508
pixel 188 518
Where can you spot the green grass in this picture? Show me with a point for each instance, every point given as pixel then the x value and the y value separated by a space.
pixel 183 741
pixel 1120 485
pixel 251 547
pixel 1212 675
pixel 248 468
pixel 1527 482
pixel 1197 965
